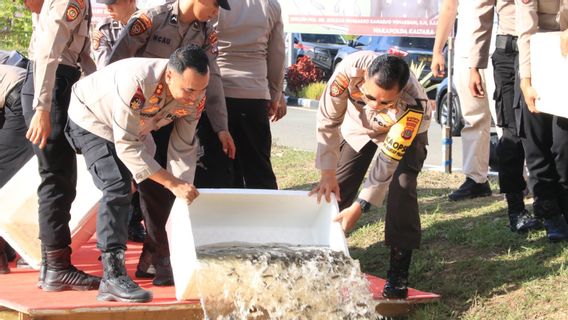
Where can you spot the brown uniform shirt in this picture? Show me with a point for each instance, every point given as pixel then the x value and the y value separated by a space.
pixel 10 76
pixel 252 49
pixel 61 35
pixel 103 38
pixel 157 33
pixel 483 28
pixel 342 113
pixel 129 102
pixel 537 16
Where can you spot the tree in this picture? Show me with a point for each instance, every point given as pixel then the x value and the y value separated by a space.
pixel 15 25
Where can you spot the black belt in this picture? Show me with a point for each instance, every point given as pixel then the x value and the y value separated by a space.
pixel 506 42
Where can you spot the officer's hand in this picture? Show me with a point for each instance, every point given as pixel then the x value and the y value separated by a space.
pixel 327 185
pixel 438 65
pixel 40 128
pixel 530 95
pixel 349 216
pixel 185 191
pixel 564 43
pixel 281 109
pixel 227 143
pixel 476 83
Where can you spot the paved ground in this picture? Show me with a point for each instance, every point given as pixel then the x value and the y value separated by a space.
pixel 297 130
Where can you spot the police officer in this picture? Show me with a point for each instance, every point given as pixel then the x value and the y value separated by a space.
pixel 546 143
pixel 510 152
pixel 111 127
pixel 107 31
pixel 251 60
pixel 15 149
pixel 477 116
pixel 103 39
pixel 59 41
pixel 373 102
pixel 158 32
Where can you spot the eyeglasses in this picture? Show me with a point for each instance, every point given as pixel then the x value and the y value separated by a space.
pixel 372 103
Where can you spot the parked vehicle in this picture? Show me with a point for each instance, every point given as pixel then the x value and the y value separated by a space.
pixel 321 48
pixel 442 108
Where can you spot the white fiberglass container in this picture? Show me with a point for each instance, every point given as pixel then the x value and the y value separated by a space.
pixel 251 216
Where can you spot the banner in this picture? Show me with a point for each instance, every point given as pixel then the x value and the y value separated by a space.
pixel 411 18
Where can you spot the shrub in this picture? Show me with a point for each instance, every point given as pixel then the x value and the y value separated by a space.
pixel 425 81
pixel 302 74
pixel 312 91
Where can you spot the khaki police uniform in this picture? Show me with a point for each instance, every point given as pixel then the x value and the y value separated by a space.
pixel 103 39
pixel 546 143
pixel 510 152
pixel 59 41
pixel 15 149
pixel 348 134
pixel 475 134
pixel 112 127
pixel 251 60
pixel 157 33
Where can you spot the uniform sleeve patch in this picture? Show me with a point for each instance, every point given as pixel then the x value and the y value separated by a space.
pixel 137 100
pixel 140 25
pixel 72 12
pixel 339 85
pixel 401 135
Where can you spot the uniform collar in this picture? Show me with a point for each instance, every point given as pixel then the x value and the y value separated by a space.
pixel 173 19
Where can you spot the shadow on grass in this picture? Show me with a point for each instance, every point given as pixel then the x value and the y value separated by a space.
pixel 467 252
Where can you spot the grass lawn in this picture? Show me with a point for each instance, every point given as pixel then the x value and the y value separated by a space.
pixel 468 255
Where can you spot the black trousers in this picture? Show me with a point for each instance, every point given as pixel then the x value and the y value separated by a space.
pixel 56 161
pixel 546 148
pixel 110 176
pixel 250 127
pixel 402 221
pixel 214 167
pixel 510 152
pixel 15 149
pixel 156 201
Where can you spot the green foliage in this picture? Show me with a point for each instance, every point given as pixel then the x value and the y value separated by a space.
pixel 15 26
pixel 312 91
pixel 426 80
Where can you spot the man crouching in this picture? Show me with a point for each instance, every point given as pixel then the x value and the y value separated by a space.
pixel 111 116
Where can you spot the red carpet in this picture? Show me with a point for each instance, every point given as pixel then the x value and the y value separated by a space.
pixel 18 289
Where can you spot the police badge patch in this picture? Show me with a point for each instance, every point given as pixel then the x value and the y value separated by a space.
pixel 140 25
pixel 338 85
pixel 137 100
pixel 72 12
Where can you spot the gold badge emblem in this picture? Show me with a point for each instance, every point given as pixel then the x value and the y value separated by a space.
pixel 137 100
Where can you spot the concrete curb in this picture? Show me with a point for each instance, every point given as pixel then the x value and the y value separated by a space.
pixel 301 102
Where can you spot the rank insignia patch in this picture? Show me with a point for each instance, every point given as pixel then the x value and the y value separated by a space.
pixel 140 25
pixel 200 107
pixel 72 12
pixel 137 100
pixel 338 85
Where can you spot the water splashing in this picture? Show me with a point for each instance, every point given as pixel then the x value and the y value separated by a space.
pixel 278 281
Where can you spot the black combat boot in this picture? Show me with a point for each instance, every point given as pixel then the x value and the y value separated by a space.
pixel 145 269
pixel 396 286
pixel 4 268
pixel 116 285
pixel 554 222
pixel 61 275
pixel 42 267
pixel 164 276
pixel 520 220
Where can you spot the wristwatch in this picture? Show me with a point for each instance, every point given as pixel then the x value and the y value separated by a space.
pixel 365 206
